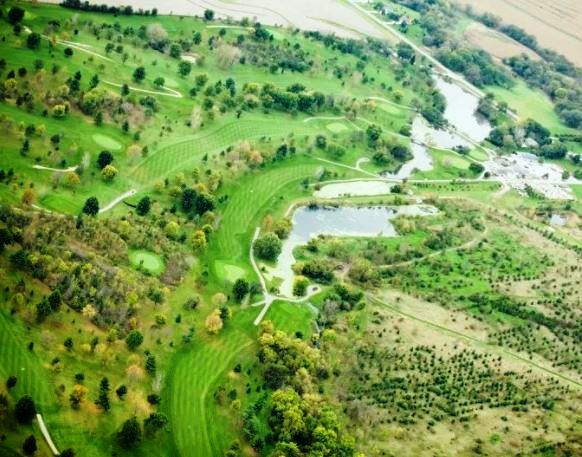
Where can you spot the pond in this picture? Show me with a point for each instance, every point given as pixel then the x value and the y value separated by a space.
pixel 557 220
pixel 353 189
pixel 461 110
pixel 461 115
pixel 309 223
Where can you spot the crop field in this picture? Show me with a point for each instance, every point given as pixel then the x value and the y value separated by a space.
pixel 495 43
pixel 338 18
pixel 556 25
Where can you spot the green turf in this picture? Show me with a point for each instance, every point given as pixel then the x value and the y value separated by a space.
pixel 146 260
pixel 531 103
pixel 106 142
pixel 336 127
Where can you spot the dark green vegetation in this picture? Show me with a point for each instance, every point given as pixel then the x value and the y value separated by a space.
pixel 158 145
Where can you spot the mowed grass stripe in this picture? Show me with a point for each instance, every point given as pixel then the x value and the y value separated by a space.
pixel 195 422
pixel 15 359
pixel 247 201
pixel 178 155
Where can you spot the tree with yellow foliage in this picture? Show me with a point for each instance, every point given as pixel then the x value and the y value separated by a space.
pixel 214 322
pixel 29 197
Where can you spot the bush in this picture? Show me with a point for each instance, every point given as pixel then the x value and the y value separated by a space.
pixel 25 410
pixel 130 433
pixel 15 15
pixel 134 340
pixel 33 40
pixel 268 247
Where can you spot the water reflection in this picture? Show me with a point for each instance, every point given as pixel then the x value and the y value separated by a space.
pixel 341 221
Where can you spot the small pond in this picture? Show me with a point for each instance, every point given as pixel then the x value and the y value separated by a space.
pixel 557 220
pixel 341 221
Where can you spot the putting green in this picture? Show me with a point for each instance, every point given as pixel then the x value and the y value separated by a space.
pixel 106 142
pixel 229 272
pixel 390 109
pixel 146 260
pixel 336 127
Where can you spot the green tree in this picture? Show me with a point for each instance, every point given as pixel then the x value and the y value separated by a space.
pixel 240 289
pixel 91 206
pixel 29 446
pixel 267 247
pixel 159 82
pixel 476 167
pixel 139 74
pixel 150 364
pixel 104 159
pixel 134 340
pixel 68 52
pixel 15 15
pixel 373 133
pixel 300 286
pixel 121 391
pixel 11 382
pixel 25 410
pixel 143 206
pixel 184 68
pixel 175 51
pixel 33 40
pixel 69 344
pixel 209 15
pixel 94 81
pixel 155 422
pixel 130 433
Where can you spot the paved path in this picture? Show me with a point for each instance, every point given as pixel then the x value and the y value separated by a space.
pixel 269 298
pixel 467 245
pixel 57 170
pixel 458 79
pixel 390 102
pixel 169 93
pixel 46 435
pixel 118 200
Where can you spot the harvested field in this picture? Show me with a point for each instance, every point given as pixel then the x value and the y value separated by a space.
pixel 495 43
pixel 330 16
pixel 557 25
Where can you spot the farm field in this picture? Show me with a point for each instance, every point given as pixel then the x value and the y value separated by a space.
pixel 338 17
pixel 495 43
pixel 176 281
pixel 556 25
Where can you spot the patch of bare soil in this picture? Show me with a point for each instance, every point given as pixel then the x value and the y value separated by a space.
pixel 556 24
pixel 496 43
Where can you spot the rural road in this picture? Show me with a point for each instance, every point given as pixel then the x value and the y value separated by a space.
pixel 462 82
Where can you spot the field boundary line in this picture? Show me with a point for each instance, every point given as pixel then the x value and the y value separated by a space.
pixel 455 333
